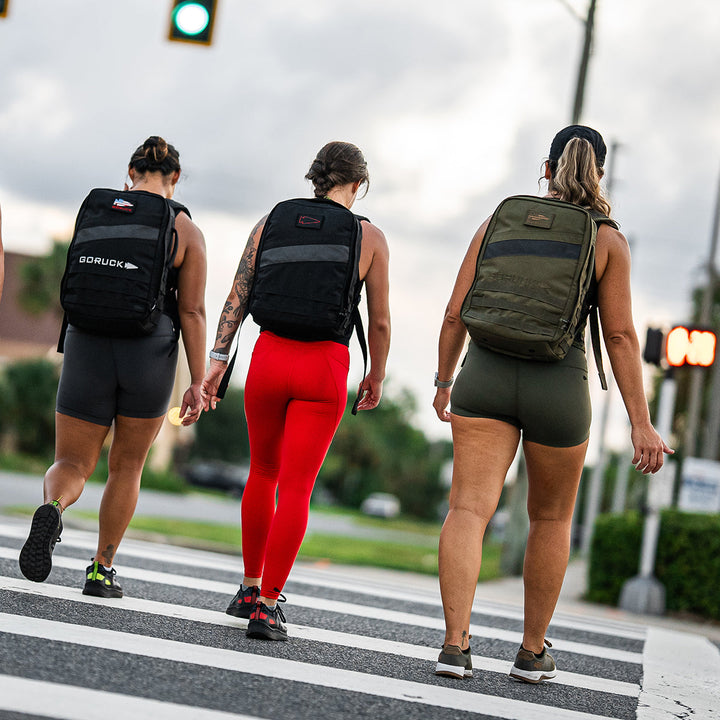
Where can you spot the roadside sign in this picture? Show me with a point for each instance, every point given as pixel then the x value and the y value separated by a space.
pixel 700 486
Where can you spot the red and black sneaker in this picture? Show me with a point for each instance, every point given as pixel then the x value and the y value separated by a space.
pixel 267 623
pixel 244 601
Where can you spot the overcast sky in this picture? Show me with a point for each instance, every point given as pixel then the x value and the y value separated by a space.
pixel 454 105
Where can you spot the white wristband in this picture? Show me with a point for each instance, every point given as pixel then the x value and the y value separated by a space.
pixel 222 357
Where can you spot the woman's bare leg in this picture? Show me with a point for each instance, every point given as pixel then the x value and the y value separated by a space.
pixel 483 451
pixel 553 479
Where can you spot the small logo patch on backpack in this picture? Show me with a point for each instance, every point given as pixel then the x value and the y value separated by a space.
pixel 123 205
pixel 309 221
pixel 538 219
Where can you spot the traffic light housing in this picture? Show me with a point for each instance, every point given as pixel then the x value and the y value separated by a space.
pixel 192 21
pixel 654 346
pixel 682 345
pixel 4 7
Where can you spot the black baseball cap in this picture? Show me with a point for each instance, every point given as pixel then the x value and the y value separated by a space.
pixel 580 131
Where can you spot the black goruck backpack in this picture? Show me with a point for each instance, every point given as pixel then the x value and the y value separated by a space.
pixel 306 283
pixel 118 262
pixel 533 273
pixel 307 275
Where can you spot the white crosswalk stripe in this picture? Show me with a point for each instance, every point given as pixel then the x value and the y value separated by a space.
pixel 165 627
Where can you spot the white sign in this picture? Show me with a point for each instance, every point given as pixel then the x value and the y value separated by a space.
pixel 700 486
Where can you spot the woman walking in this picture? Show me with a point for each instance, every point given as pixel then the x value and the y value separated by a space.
pixel 123 381
pixel 497 400
pixel 296 387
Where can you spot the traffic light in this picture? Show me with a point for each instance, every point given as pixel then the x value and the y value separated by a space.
pixel 688 346
pixel 4 7
pixel 654 349
pixel 192 21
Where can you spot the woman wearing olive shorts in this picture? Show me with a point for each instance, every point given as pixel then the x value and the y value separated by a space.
pixel 498 399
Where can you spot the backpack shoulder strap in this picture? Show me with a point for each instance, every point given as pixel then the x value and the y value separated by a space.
pixel 360 331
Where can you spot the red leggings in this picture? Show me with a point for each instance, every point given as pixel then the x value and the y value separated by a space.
pixel 295 395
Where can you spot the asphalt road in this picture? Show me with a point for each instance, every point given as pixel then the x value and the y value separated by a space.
pixel 362 644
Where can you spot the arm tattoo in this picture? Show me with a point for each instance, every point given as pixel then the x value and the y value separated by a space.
pixel 234 311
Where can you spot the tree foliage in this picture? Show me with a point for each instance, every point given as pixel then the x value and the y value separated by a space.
pixel 380 450
pixel 40 280
pixel 221 434
pixel 28 405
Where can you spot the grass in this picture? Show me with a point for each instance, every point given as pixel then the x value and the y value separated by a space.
pixel 316 546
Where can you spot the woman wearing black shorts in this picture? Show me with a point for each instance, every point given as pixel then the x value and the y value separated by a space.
pixel 126 383
pixel 498 398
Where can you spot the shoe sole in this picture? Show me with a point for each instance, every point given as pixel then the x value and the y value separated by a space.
pixel 453 671
pixel 99 591
pixel 36 554
pixel 530 676
pixel 260 631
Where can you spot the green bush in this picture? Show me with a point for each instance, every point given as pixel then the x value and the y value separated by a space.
pixel 687 562
pixel 28 405
pixel 614 555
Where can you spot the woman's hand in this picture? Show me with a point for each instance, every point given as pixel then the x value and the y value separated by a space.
pixel 441 402
pixel 192 404
pixel 649 448
pixel 211 383
pixel 370 392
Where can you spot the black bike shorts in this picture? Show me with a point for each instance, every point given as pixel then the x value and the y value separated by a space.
pixel 106 376
pixel 548 401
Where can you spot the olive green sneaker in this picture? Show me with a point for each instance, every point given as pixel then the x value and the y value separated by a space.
pixel 454 662
pixel 533 668
pixel 100 582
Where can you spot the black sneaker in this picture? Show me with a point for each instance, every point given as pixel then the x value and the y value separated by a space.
pixel 36 554
pixel 244 602
pixel 533 668
pixel 100 582
pixel 267 623
pixel 454 662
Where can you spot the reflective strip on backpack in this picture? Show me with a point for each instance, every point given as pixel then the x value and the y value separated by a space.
pixel 305 253
pixel 107 232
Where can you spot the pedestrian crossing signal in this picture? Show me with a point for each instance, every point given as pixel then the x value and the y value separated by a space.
pixel 687 346
pixel 192 21
pixel 4 7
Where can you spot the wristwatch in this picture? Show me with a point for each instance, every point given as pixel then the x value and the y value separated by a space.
pixel 443 383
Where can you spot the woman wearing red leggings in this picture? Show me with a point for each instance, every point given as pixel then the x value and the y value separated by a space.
pixel 295 395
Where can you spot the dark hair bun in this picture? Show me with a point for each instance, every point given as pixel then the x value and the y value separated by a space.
pixel 155 155
pixel 337 163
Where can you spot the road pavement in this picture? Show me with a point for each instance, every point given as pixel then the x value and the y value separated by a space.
pixel 363 643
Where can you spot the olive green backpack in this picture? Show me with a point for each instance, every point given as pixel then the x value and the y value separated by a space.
pixel 534 270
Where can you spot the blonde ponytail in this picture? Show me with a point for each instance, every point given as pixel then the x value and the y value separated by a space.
pixel 576 179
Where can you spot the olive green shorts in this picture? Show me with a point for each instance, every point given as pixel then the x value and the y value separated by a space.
pixel 548 401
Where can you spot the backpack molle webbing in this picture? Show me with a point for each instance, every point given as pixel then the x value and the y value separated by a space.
pixel 534 270
pixel 306 283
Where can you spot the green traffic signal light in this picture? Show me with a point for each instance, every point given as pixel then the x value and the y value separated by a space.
pixel 192 21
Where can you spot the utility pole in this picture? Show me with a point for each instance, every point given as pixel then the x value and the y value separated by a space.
pixel 584 60
pixel 712 426
pixel 697 375
pixel 644 593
